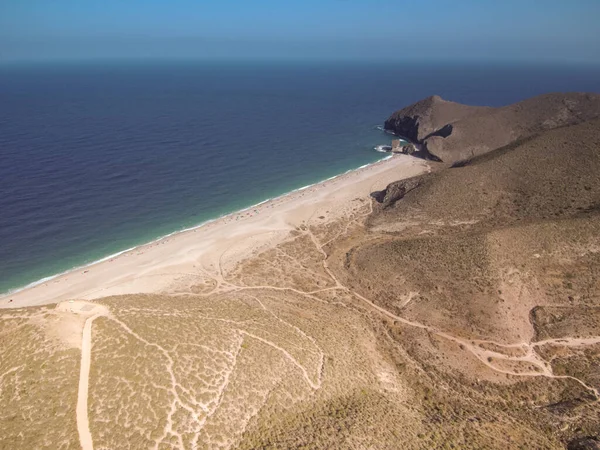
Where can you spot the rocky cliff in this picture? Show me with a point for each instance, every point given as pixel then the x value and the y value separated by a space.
pixel 452 132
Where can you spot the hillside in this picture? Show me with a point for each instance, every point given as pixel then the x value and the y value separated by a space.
pixel 503 252
pixel 454 132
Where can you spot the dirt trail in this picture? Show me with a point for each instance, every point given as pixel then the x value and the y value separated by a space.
pixel 538 366
pixel 83 425
pixel 486 356
pixel 91 311
pixel 483 355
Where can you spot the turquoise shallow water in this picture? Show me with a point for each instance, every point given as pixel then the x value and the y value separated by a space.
pixel 98 158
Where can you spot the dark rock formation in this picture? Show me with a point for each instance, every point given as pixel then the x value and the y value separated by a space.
pixel 452 132
pixel 420 120
pixel 395 191
pixel 586 443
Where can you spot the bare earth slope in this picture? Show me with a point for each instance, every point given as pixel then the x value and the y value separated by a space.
pixel 453 132
pixel 505 248
pixel 455 309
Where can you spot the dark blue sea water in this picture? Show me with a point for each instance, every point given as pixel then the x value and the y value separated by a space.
pixel 97 158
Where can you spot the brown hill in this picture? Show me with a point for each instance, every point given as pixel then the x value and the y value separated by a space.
pixel 504 252
pixel 454 132
pixel 456 235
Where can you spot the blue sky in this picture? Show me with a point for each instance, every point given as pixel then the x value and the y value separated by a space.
pixel 531 30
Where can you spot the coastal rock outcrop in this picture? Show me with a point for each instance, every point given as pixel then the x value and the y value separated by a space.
pixel 396 191
pixel 424 118
pixel 452 132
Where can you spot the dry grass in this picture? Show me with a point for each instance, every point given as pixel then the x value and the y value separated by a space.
pixel 38 383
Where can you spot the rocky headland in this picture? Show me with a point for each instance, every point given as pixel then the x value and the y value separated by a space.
pixel 452 132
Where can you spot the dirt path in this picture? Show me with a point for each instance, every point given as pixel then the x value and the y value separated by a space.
pixel 83 425
pixel 90 311
pixel 538 366
pixel 491 358
pixel 486 356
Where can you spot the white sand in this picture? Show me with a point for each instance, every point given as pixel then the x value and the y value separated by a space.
pixel 219 245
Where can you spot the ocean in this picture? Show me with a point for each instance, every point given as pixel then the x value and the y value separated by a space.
pixel 99 157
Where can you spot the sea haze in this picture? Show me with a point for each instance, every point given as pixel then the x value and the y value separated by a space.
pixel 97 158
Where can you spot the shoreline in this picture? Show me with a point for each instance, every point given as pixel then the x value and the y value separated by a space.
pixel 194 227
pixel 32 294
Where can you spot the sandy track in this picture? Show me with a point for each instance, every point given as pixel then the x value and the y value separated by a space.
pixel 83 425
pixel 91 311
pixel 483 355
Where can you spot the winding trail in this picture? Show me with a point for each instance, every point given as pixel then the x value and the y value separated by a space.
pixel 538 366
pixel 201 412
pixel 485 356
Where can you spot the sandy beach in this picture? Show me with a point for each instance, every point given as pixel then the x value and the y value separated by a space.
pixel 216 247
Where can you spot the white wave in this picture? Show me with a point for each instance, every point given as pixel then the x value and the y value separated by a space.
pixel 386 131
pixel 383 148
pixel 51 277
